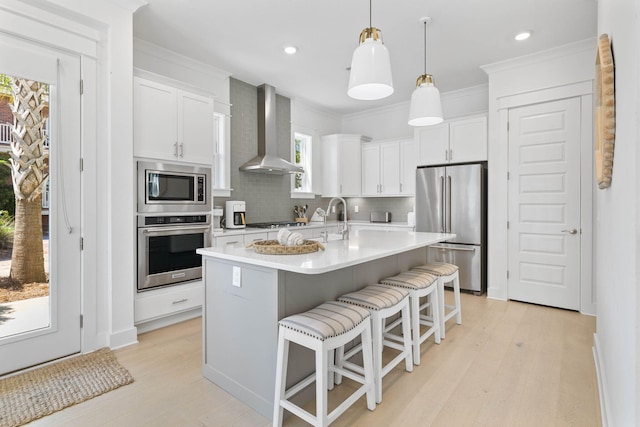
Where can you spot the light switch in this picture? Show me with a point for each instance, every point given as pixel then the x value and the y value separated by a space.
pixel 356 209
pixel 237 277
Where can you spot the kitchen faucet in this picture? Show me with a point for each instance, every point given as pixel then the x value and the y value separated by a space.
pixel 345 228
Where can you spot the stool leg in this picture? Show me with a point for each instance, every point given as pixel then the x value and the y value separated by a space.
pixel 441 304
pixel 339 359
pixel 456 294
pixel 367 359
pixel 330 371
pixel 321 387
pixel 415 327
pixel 435 304
pixel 406 335
pixel 376 333
pixel 281 378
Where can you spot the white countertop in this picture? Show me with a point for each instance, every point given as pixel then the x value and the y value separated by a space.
pixel 236 231
pixel 362 246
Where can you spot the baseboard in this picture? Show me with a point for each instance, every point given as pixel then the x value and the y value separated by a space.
pixel 602 384
pixel 168 320
pixel 123 338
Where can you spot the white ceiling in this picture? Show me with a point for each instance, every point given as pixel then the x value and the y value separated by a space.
pixel 245 38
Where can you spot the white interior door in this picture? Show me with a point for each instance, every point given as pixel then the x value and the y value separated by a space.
pixel 37 330
pixel 544 204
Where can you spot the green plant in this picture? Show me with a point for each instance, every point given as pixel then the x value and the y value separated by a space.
pixel 7 196
pixel 6 230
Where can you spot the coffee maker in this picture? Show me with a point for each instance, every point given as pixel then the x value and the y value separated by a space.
pixel 234 214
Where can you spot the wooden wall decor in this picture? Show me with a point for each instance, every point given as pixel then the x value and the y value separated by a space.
pixel 605 112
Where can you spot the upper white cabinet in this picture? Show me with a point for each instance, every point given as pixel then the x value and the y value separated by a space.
pixel 388 168
pixel 455 141
pixel 172 124
pixel 341 165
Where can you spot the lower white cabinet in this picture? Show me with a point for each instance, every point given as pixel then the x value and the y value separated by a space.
pixel 158 303
pixel 234 240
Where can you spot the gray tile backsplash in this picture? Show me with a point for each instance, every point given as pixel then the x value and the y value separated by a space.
pixel 268 196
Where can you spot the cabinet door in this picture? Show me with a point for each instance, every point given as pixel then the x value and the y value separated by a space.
pixel 433 142
pixel 195 128
pixel 154 120
pixel 329 166
pixel 233 240
pixel 408 164
pixel 349 154
pixel 468 140
pixel 370 169
pixel 390 168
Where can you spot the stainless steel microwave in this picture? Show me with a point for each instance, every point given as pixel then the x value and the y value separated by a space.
pixel 169 187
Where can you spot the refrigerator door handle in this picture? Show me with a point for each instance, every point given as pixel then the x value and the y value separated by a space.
pixel 444 200
pixel 454 248
pixel 449 205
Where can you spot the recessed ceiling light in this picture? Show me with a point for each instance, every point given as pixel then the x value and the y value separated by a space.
pixel 523 35
pixel 290 50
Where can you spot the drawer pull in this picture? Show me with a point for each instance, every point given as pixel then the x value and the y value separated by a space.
pixel 180 301
pixel 235 242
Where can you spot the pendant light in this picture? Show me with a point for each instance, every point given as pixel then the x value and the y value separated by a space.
pixel 370 76
pixel 425 107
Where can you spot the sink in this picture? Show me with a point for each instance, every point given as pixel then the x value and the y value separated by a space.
pixel 332 237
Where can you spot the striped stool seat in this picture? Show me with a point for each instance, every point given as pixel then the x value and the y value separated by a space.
pixel 382 302
pixel 446 273
pixel 327 320
pixel 438 268
pixel 419 285
pixel 323 329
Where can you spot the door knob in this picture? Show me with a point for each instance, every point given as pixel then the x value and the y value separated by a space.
pixel 573 231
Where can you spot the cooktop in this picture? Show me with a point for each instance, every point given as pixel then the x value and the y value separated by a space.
pixel 276 224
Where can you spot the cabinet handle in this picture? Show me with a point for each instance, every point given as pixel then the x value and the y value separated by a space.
pixel 380 188
pixel 180 301
pixel 401 187
pixel 340 188
pixel 175 149
pixel 450 154
pixel 182 150
pixel 232 243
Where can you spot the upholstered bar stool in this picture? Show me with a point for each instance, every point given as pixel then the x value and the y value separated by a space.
pixel 446 273
pixel 382 303
pixel 323 329
pixel 419 285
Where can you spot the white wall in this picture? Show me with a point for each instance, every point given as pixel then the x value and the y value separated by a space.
pixel 557 69
pixel 617 343
pixel 391 122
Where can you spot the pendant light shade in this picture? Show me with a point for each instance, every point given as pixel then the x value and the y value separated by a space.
pixel 425 109
pixel 370 76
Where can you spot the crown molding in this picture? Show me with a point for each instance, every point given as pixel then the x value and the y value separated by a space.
pixel 542 56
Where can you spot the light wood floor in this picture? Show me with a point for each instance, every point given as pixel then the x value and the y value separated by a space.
pixel 508 364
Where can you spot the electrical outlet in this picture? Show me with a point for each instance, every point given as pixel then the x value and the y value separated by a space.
pixel 356 209
pixel 237 277
pixel 333 209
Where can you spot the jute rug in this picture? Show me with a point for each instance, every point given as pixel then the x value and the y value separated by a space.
pixel 42 391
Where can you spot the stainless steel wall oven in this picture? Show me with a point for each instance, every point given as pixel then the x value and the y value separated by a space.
pixel 167 249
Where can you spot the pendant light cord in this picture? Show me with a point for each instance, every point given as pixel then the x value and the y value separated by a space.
pixel 370 14
pixel 425 47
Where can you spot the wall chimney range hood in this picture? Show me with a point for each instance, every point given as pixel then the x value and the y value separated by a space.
pixel 267 160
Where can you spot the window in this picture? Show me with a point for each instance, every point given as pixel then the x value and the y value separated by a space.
pixel 301 182
pixel 221 153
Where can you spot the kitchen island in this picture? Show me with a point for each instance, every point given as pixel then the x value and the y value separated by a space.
pixel 247 293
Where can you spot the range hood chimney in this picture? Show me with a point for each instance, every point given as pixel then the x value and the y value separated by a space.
pixel 267 160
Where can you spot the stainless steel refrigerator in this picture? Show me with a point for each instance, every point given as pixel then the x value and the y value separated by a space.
pixel 452 199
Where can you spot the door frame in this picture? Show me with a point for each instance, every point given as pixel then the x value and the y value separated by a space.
pixel 583 91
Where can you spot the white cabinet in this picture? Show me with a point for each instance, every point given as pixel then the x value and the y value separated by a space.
pixel 408 164
pixel 455 141
pixel 388 168
pixel 172 124
pixel 341 165
pixel 232 240
pixel 159 303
